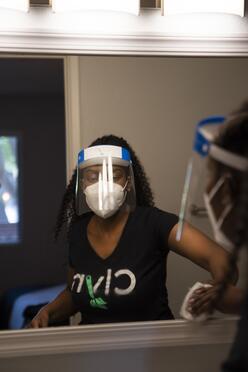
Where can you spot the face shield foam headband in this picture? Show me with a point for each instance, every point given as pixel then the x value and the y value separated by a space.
pixel 105 181
pixel 196 201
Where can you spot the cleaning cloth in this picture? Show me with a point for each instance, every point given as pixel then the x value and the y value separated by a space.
pixel 184 312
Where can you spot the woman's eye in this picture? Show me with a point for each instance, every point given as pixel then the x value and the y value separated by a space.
pixel 92 177
pixel 117 175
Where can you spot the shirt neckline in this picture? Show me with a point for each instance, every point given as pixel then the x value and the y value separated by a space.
pixel 118 245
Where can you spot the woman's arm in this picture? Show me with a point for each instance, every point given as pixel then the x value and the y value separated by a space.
pixel 204 300
pixel 204 252
pixel 59 309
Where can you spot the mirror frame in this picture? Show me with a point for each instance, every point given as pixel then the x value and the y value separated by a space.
pixel 117 336
pixel 40 31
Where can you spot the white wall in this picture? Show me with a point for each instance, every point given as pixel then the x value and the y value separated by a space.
pixel 155 103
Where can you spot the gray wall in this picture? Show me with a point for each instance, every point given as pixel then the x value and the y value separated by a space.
pixel 155 103
pixel 202 358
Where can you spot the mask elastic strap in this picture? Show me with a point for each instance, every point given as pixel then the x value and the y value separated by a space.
pixel 216 187
pixel 125 185
pixel 223 215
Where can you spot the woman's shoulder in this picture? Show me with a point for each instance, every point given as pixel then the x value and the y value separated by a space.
pixel 156 220
pixel 154 212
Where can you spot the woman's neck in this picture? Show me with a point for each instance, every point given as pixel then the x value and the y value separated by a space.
pixel 109 224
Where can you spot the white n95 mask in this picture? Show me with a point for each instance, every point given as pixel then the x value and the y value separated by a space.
pixel 106 205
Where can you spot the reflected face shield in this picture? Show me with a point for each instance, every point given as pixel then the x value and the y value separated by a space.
pixel 105 181
pixel 203 193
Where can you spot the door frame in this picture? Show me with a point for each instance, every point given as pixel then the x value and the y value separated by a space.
pixel 72 111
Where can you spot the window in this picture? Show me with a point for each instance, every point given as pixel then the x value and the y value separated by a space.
pixel 9 190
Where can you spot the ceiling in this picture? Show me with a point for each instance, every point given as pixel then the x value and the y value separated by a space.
pixel 31 76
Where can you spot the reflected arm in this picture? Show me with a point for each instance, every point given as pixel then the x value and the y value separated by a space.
pixel 62 306
pixel 60 309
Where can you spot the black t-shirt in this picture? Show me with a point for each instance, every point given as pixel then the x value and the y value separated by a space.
pixel 129 285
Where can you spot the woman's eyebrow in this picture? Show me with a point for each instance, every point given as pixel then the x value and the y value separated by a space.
pixel 92 170
pixel 117 167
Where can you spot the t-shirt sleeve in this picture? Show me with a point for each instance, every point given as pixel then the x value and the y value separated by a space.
pixel 164 221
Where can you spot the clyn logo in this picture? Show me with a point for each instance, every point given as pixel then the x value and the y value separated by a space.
pixel 78 281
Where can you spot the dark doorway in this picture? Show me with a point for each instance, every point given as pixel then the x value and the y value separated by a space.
pixel 33 109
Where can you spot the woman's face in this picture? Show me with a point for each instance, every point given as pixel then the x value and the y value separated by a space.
pixel 91 175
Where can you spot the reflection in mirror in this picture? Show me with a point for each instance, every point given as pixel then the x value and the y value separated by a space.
pixel 154 103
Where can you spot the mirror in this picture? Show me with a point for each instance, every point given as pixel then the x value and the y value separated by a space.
pixel 140 77
pixel 154 102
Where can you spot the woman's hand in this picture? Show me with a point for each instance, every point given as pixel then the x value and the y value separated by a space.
pixel 40 320
pixel 203 300
pixel 60 309
pixel 206 300
pixel 204 252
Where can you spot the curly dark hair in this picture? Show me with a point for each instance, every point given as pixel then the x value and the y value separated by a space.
pixel 144 196
pixel 234 137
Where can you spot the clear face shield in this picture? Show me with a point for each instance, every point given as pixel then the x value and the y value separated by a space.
pixel 105 181
pixel 202 200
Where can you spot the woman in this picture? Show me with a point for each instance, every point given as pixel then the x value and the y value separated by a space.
pixel 117 253
pixel 231 196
